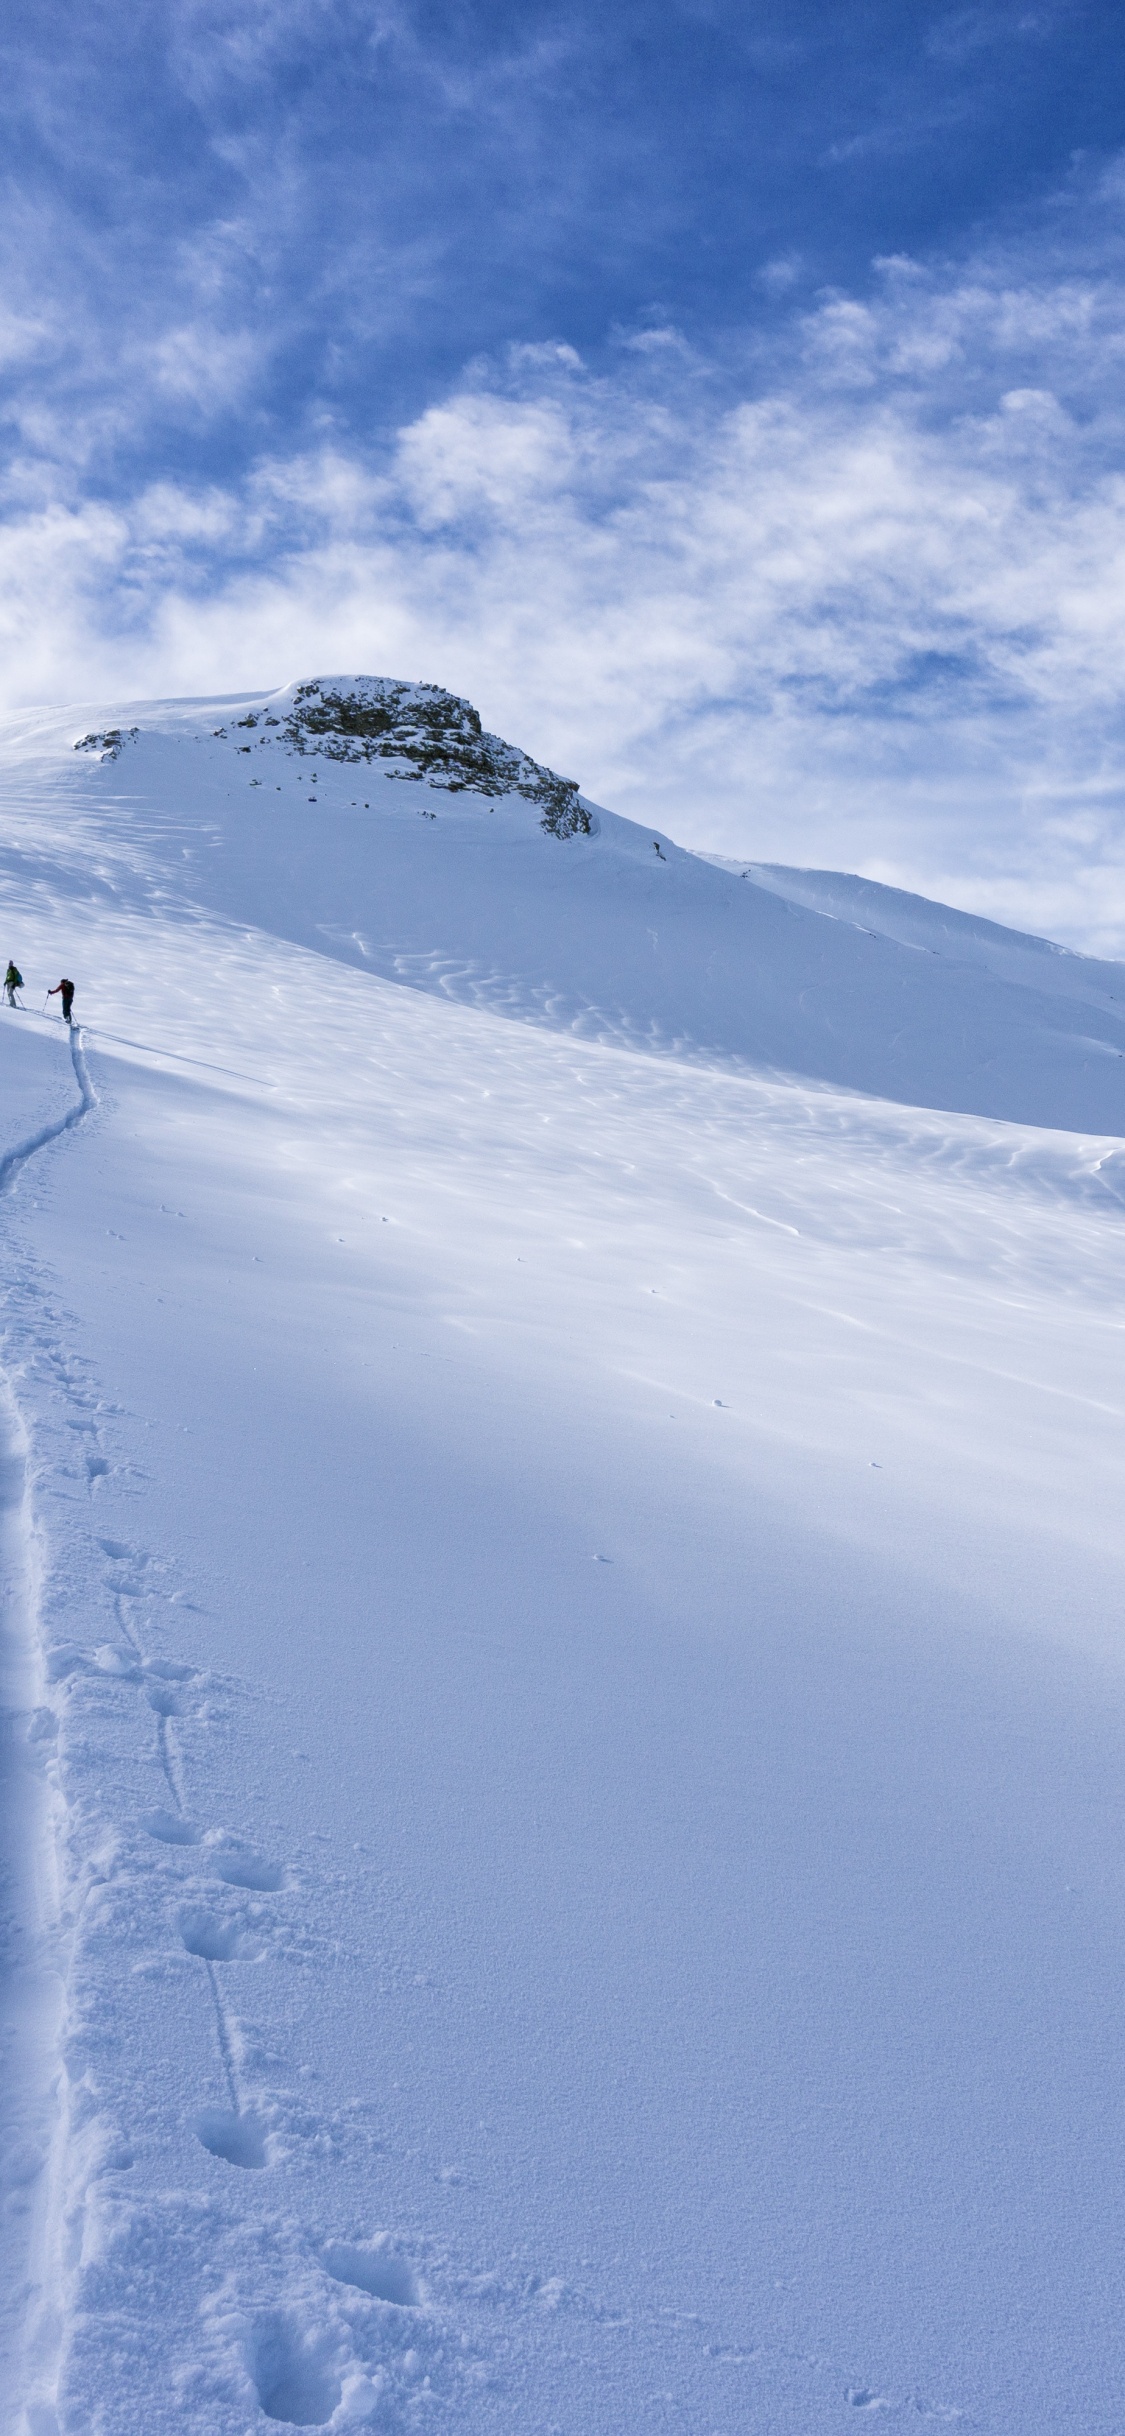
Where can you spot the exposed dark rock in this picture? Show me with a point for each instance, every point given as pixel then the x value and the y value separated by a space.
pixel 108 743
pixel 434 736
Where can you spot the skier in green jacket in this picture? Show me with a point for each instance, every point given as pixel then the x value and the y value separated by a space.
pixel 13 981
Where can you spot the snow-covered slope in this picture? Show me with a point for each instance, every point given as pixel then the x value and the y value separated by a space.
pixel 940 930
pixel 422 854
pixel 562 1651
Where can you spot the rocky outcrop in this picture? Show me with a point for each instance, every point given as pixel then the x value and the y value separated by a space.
pixel 428 734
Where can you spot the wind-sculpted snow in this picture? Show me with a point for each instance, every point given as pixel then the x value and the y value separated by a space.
pixel 596 933
pixel 564 1577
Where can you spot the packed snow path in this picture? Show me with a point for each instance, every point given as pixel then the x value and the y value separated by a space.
pixel 30 1990
pixel 580 1605
pixel 33 1943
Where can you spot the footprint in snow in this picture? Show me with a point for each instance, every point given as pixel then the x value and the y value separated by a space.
pixel 116 1658
pixel 250 1870
pixel 377 2269
pixel 163 1679
pixel 294 2381
pixel 164 1700
pixel 237 2139
pixel 168 1829
pixel 215 1939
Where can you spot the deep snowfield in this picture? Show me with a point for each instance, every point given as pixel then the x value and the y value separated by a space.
pixel 562 1650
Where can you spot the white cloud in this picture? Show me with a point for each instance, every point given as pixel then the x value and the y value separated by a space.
pixel 475 455
pixel 209 369
pixel 873 615
pixel 780 274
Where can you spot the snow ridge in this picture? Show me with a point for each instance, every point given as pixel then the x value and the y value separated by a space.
pixel 418 732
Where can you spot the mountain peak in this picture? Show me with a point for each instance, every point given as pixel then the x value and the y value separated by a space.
pixel 430 734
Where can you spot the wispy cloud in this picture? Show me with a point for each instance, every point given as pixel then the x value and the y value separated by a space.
pixel 872 613
pixel 967 31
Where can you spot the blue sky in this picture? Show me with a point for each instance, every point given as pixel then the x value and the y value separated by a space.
pixel 727 398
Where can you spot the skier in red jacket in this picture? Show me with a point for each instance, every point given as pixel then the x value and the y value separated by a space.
pixel 67 989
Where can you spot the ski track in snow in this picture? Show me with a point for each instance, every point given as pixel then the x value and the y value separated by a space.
pixel 13 1160
pixel 881 1336
pixel 290 2354
pixel 30 2124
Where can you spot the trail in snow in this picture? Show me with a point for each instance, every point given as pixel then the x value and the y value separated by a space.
pixel 13 1161
pixel 42 2200
pixel 236 2136
pixel 32 1979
